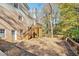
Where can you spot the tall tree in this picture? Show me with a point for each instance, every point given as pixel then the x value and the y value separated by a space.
pixel 69 20
pixel 68 16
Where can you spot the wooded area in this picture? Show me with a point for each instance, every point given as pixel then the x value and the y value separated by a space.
pixel 52 32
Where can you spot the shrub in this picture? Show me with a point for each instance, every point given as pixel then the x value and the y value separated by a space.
pixel 73 33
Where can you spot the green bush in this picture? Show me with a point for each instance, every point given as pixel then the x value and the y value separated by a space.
pixel 73 33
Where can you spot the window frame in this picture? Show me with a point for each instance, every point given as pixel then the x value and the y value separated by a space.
pixel 14 34
pixel 4 34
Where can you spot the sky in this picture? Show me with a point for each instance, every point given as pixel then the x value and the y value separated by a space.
pixel 35 5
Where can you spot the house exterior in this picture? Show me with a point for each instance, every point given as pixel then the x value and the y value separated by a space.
pixel 14 21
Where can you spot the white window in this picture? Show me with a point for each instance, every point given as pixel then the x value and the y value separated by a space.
pixel 14 35
pixel 2 33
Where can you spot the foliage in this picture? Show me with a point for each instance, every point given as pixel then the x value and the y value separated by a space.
pixel 68 24
pixel 73 33
pixel 68 14
pixel 69 20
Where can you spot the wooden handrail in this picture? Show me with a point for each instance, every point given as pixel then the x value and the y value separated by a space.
pixel 72 41
pixel 73 44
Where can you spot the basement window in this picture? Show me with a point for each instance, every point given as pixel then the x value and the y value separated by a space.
pixel 2 33
pixel 16 5
pixel 20 17
pixel 14 35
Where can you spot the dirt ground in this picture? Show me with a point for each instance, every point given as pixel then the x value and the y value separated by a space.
pixel 10 49
pixel 37 47
pixel 47 47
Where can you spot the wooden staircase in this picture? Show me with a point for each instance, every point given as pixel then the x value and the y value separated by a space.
pixel 32 32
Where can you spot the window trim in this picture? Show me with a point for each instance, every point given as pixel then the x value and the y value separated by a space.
pixel 15 35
